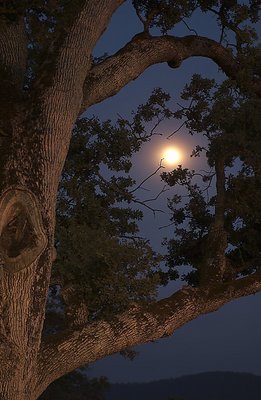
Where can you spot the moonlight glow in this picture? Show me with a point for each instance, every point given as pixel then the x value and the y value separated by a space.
pixel 171 156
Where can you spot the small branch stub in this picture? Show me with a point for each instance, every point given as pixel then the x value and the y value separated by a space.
pixel 22 237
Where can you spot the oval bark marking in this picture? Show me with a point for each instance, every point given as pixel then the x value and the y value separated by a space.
pixel 22 237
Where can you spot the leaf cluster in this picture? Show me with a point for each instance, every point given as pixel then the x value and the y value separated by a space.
pixel 191 220
pixel 230 15
pixel 163 14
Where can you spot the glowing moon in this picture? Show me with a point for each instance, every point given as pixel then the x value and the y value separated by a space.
pixel 171 156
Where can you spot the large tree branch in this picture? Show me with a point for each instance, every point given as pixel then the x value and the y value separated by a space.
pixel 108 77
pixel 64 352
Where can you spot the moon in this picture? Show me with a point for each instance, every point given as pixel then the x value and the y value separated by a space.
pixel 171 156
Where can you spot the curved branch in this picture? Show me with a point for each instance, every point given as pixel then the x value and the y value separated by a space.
pixel 64 352
pixel 108 77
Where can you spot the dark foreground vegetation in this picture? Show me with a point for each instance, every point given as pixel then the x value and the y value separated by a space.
pixel 205 386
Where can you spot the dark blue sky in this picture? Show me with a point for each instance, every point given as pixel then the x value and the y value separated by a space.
pixel 228 339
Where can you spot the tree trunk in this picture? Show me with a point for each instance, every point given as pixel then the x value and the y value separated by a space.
pixel 35 132
pixel 30 176
pixel 30 172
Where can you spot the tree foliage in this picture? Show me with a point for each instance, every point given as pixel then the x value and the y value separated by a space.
pixel 101 257
pixel 166 14
pixel 229 121
pixel 76 386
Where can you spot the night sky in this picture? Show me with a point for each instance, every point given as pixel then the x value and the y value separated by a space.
pixel 229 339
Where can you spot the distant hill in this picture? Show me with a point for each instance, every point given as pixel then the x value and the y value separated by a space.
pixel 204 386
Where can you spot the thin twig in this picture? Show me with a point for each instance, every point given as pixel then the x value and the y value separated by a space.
pixel 154 210
pixel 133 238
pixel 126 193
pixel 146 135
pixel 158 195
pixel 178 129
pixel 188 27
pixel 148 177
pixel 166 226
pixel 183 123
pixel 152 132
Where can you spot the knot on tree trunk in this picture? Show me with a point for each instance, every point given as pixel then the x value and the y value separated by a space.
pixel 22 237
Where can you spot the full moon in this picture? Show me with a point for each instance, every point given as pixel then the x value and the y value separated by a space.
pixel 171 156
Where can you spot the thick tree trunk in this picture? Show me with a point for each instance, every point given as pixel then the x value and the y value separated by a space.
pixel 24 234
pixel 35 132
pixel 27 206
pixel 30 172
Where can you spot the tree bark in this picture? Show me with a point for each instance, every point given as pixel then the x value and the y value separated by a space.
pixel 66 351
pixel 34 150
pixel 108 77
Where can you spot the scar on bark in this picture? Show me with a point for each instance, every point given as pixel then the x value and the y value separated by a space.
pixel 22 237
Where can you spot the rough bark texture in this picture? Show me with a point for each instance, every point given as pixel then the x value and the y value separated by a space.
pixel 34 150
pixel 35 131
pixel 139 325
pixel 108 77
